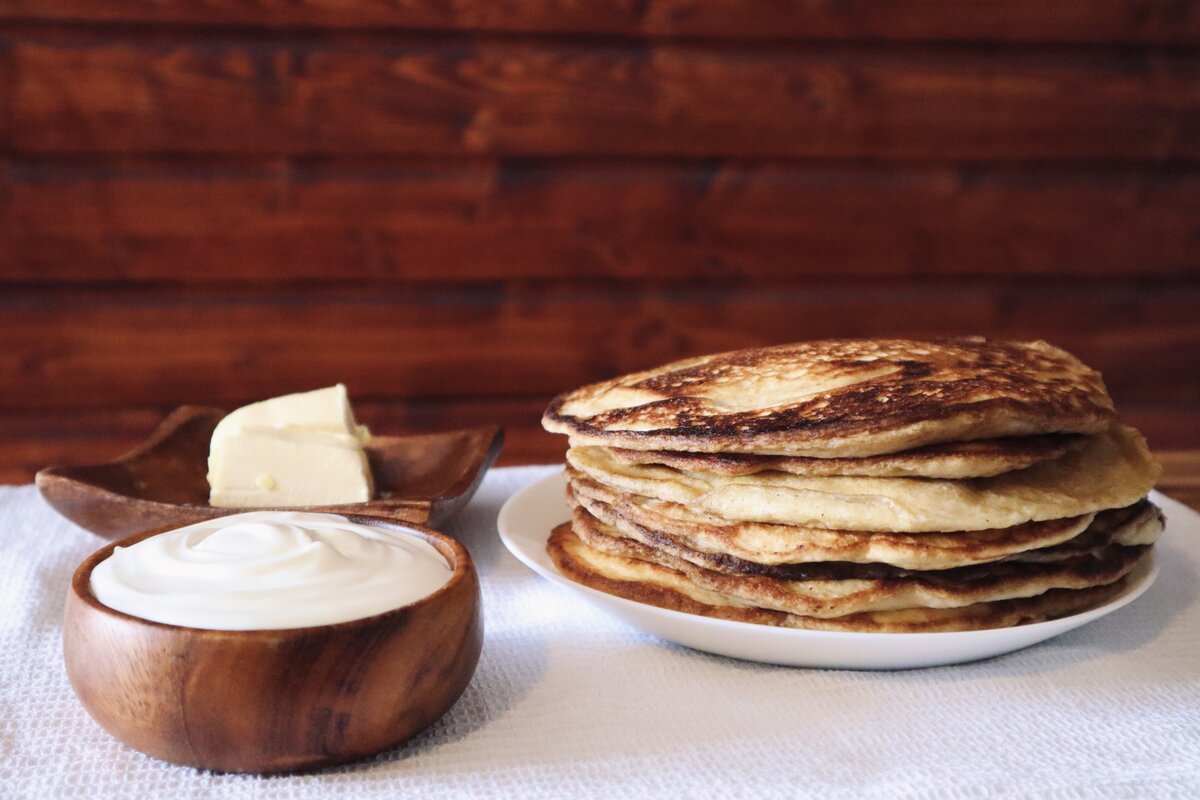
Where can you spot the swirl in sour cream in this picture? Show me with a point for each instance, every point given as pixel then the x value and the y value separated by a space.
pixel 269 570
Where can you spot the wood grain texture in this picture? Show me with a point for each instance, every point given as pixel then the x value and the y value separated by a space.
pixel 1181 475
pixel 75 349
pixel 464 207
pixel 32 440
pixel 976 20
pixel 274 700
pixel 422 97
pixel 424 479
pixel 473 220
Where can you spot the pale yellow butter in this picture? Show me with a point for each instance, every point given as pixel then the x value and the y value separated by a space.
pixel 297 450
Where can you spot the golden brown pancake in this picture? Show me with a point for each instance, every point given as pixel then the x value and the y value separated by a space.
pixel 826 598
pixel 1112 470
pixel 814 553
pixel 951 460
pixel 775 544
pixel 840 398
pixel 654 584
pixel 857 485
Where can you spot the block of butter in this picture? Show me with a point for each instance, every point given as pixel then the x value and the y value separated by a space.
pixel 297 450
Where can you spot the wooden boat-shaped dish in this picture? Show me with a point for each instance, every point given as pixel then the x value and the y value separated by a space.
pixel 424 478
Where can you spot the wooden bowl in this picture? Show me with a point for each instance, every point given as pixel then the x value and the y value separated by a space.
pixel 163 482
pixel 274 700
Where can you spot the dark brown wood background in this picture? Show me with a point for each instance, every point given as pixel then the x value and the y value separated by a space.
pixel 460 208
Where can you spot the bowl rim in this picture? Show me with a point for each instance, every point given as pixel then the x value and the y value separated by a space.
pixel 450 548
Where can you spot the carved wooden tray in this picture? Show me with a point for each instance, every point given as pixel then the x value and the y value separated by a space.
pixel 424 478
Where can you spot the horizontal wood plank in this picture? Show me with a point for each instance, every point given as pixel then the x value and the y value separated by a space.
pixel 977 20
pixel 76 349
pixel 1181 475
pixel 420 97
pixel 496 220
pixel 32 440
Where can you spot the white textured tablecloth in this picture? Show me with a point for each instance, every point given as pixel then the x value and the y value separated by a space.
pixel 568 703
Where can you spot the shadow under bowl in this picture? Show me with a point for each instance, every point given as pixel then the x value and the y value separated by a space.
pixel 275 700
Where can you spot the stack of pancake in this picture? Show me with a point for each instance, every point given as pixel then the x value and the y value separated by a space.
pixel 860 485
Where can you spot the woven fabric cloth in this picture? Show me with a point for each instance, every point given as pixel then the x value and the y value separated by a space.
pixel 568 703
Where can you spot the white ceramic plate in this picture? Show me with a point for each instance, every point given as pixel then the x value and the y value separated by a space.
pixel 529 515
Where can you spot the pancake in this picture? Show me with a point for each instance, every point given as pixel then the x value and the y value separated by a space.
pixel 840 398
pixel 654 584
pixel 952 460
pixel 808 552
pixel 775 544
pixel 838 597
pixel 857 485
pixel 1112 470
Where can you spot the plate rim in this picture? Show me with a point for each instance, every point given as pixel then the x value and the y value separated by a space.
pixel 1146 575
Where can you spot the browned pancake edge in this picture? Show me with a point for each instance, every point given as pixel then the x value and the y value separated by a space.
pixel 933 392
pixel 838 597
pixel 721 539
pixel 565 548
pixel 951 460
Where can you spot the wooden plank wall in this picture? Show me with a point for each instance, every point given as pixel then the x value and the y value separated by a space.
pixel 461 207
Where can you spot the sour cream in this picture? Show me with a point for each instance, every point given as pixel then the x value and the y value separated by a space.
pixel 269 570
